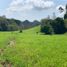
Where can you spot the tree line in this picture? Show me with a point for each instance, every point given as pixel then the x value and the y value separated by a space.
pixel 15 25
pixel 56 26
pixel 48 26
pixel 9 24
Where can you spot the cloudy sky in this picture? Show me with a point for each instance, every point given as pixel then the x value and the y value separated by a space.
pixel 30 9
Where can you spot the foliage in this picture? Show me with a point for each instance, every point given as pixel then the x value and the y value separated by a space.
pixel 9 24
pixel 65 22
pixel 14 25
pixel 65 16
pixel 46 26
pixel 56 26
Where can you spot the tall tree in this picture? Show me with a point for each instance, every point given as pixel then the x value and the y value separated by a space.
pixel 65 16
pixel 58 26
pixel 46 26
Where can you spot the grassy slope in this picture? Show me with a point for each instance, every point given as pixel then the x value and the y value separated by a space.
pixel 35 50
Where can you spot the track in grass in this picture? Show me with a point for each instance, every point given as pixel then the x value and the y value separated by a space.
pixel 35 50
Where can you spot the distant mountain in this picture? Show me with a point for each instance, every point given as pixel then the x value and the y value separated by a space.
pixel 14 25
pixel 27 24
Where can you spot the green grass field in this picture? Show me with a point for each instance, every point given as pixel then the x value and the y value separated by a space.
pixel 33 50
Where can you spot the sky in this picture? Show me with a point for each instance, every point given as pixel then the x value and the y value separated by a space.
pixel 31 9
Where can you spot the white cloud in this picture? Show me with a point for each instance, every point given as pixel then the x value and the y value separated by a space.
pixel 43 4
pixel 25 5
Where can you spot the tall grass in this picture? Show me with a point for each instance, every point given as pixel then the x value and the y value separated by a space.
pixel 35 50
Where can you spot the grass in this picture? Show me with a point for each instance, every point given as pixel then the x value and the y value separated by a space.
pixel 34 50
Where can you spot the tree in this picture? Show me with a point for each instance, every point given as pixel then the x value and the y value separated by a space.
pixel 65 23
pixel 3 24
pixel 46 26
pixel 9 24
pixel 58 26
pixel 65 16
pixel 20 28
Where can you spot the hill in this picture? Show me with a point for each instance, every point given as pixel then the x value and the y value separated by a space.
pixel 14 24
pixel 29 49
pixel 27 24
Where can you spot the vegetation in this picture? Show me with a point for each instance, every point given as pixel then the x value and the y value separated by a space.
pixel 65 16
pixel 8 24
pixel 14 25
pixel 30 49
pixel 56 26
pixel 65 23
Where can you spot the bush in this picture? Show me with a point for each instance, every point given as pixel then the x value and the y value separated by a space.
pixel 56 26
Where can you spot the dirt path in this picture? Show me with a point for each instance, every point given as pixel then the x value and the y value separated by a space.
pixel 11 43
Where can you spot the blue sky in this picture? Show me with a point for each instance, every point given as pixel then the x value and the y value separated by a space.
pixel 30 9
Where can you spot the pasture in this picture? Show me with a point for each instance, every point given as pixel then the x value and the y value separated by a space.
pixel 30 49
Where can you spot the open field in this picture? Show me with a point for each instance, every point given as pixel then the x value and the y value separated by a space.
pixel 31 49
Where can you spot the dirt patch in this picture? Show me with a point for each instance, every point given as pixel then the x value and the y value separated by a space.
pixel 1 51
pixel 11 43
